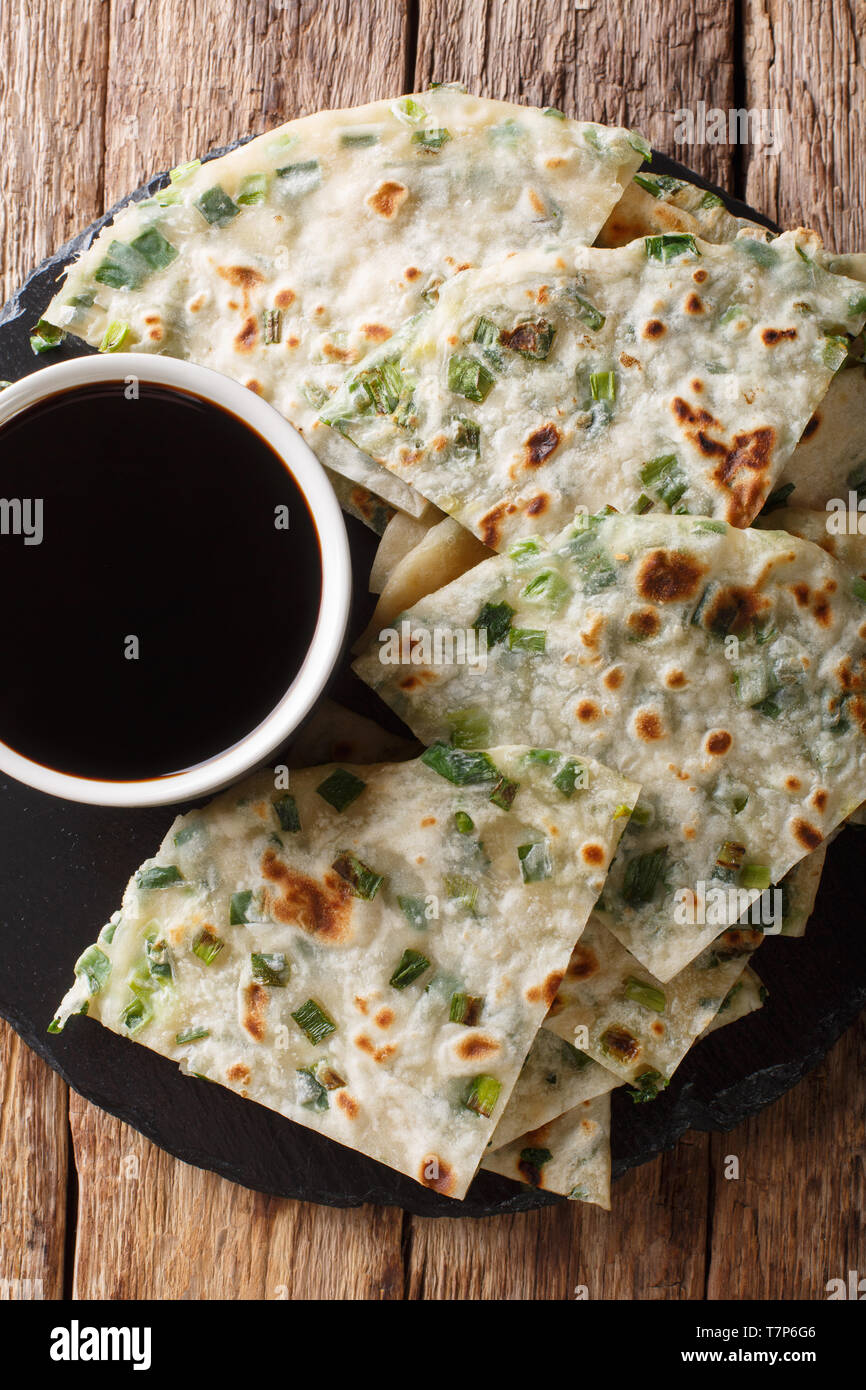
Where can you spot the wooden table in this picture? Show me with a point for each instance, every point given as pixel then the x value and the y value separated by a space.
pixel 94 96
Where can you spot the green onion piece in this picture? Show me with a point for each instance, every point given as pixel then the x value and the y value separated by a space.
pixel 252 190
pixel 668 245
pixel 664 478
pixel 124 268
pixel 216 207
pixel 467 436
pixel 431 139
pixel 587 313
pixel 757 251
pixel 272 326
pixel 414 910
pixel 535 862
pixel 158 959
pixel 570 776
pixel 622 811
pixel 730 856
pixel 504 792
pixel 410 966
pixel 159 876
pixel 270 968
pixel 617 1042
pixel 95 967
pixel 115 336
pixel 408 110
pixel 153 246
pixel 464 822
pixel 315 1021
pixel 755 876
pixel 192 1035
pixel 181 172
pixel 769 708
pixel 309 1090
pixel 470 727
pixel 207 946
pixel 858 588
pixel 462 766
pixel 286 808
pixel 531 1163
pixel 592 561
pixel 363 881
pixel 486 334
pixel 382 385
pixel 461 889
pixel 137 1012
pixel 495 620
pixel 187 832
pixel 466 1009
pixel 647 1086
pixel 641 144
pixel 301 178
pixel 603 386
pixel 524 551
pixel 711 200
pixel 358 139
pixel 341 788
pixel 642 504
pixel 834 352
pixel 468 377
pixel 555 112
pixel 45 337
pixel 648 995
pixel 239 907
pixel 527 639
pixel 642 875
pixel 548 588
pixel 641 815
pixel 658 184
pixel 482 1095
pixel 531 339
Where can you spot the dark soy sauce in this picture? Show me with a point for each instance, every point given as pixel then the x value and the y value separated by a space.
pixel 161 536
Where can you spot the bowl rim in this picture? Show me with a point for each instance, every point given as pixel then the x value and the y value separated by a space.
pixel 254 747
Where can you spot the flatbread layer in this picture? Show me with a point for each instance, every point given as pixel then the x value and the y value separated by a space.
pixel 570 1155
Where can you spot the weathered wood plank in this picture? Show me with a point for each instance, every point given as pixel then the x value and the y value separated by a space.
pixel 599 61
pixel 33 1172
pixel 189 75
pixel 794 1217
pixel 53 61
pixel 808 63
pixel 650 1246
pixel 152 1227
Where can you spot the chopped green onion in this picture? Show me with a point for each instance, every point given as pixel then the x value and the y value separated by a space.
pixel 495 620
pixel 462 766
pixel 729 859
pixel 504 792
pixel 470 727
pixel 617 1042
pixel 431 139
pixel 153 246
pixel 286 808
pixel 658 184
pixel 647 1086
pixel 187 832
pixel 545 756
pixel 535 862
pixel 137 1012
pixel 571 775
pixel 642 504
pixel 216 207
pixel 207 946
pixel 363 881
pixel 124 268
pixel 410 966
pixel 341 788
pixel 468 377
pixel 532 339
pixel 467 436
pixel 711 200
pixel 181 172
pixel 555 112
pixel 858 588
pixel 668 245
pixel 408 110
pixel 622 811
pixel 462 890
pixel 603 386
pixel 642 875
pixel 192 1035
pixel 758 251
pixel 270 968
pixel 466 1009
pixel 527 639
pixel 159 876
pixel 95 967
pixel 239 907
pixel 272 325
pixel 642 145
pixel 115 336
pixel 482 1095
pixel 592 561
pixel 524 551
pixel 414 910
pixel 648 995
pixel 464 822
pixel 309 1090
pixel 45 337
pixel 303 177
pixel 769 708
pixel 358 139
pixel 587 313
pixel 664 478
pixel 315 1021
pixel 755 876
pixel 531 1163
pixel 252 190
pixel 548 588
pixel 382 385
pixel 834 352
pixel 158 958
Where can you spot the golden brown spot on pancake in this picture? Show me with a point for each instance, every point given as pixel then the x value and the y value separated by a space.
pixel 197 303
pixel 339 354
pixel 697 385
pixel 772 336
pixel 546 992
pixel 819 799
pixel 293 342
pixel 811 425
pixel 614 678
pixel 619 1043
pixel 649 726
pixel 644 622
pixel 243 277
pixel 694 304
pixel 593 854
pixel 654 329
pixel 718 742
pixel 388 198
pixel 155 334
pixel 689 832
pixel 627 361
pixel 806 834
pixel 699 276
pixel 284 299
pixel 319 311
pixel 658 1028
pixel 591 637
pixel 238 1072
pixel 385 1017
pixel 376 332
pixel 151 318
pixel 436 1174
pixel 412 272
pixel 489 525
pixel 750 455
pixel 255 1008
pixel 688 415
pixel 360 1004
pixel 801 593
pixel 322 910
pixel 248 336
pixel 793 784
pixel 733 610
pixel 537 505
pixel 676 680
pixel 554 163
pixel 476 1047
pixel 254 386
pixel 536 203
pixel 348 1103
pixel 669 576
pixel 540 445
pixel 857 706
pixel 587 711
pixel 583 963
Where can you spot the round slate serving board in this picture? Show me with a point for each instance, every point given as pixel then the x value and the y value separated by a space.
pixel 63 869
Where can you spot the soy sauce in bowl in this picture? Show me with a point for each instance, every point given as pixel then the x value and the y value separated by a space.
pixel 161 577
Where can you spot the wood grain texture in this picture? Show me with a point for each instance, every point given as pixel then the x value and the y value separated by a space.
pixel 650 1246
pixel 794 1218
pixel 53 59
pixel 633 64
pixel 150 1226
pixel 186 76
pixel 33 1172
pixel 807 61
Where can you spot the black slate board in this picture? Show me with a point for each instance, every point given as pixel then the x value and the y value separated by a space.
pixel 64 867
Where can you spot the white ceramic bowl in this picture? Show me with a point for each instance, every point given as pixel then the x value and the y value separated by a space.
pixel 256 746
